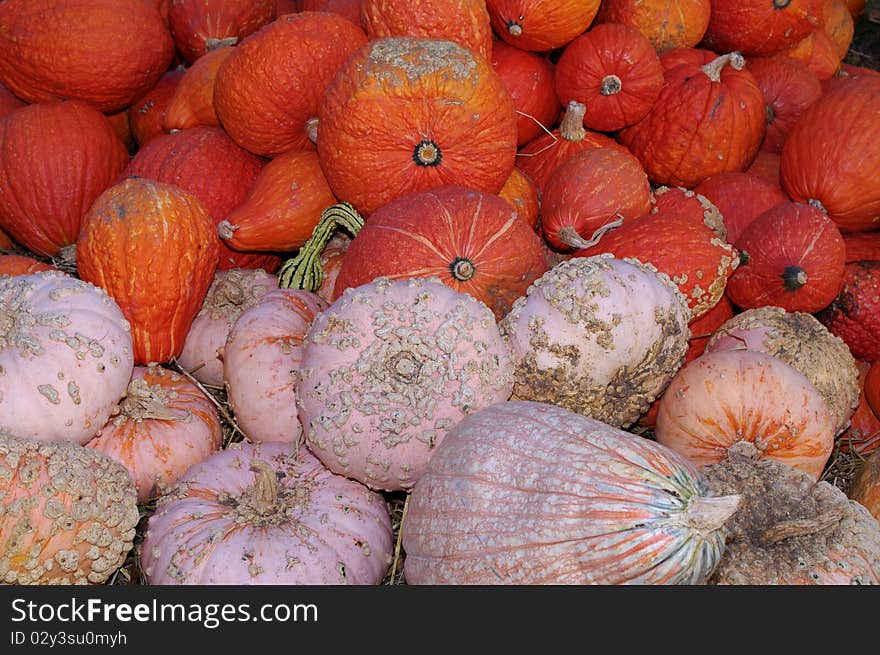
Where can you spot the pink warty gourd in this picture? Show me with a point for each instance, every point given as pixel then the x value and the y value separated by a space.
pixel 267 513
pixel 389 368
pixel 530 493
pixel 261 358
pixel 231 292
pixel 67 514
pixel 599 336
pixel 65 356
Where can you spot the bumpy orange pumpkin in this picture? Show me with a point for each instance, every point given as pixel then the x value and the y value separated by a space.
pixel 741 198
pixel 145 115
pixel 267 93
pixel 153 248
pixel 667 24
pixel 522 194
pixel 106 53
pixel 539 25
pixel 55 159
pixel 406 114
pixel 199 26
pixel 464 21
pixel 21 265
pixel 707 119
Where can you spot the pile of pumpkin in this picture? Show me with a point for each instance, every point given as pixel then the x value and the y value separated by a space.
pixel 596 287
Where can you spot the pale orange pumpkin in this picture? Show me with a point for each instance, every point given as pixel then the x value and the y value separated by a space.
pixel 162 425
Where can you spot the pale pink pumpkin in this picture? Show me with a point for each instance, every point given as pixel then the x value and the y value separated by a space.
pixel 801 341
pixel 530 493
pixel 67 513
pixel 163 425
pixel 261 358
pixel 728 396
pixel 599 336
pixel 65 356
pixel 231 292
pixel 266 514
pixel 389 368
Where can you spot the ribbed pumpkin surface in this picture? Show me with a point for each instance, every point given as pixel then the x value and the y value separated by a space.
pixel 530 493
pixel 474 242
pixel 55 159
pixel 760 27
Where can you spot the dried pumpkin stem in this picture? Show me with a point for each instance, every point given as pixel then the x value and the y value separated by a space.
pixel 570 237
pixel 214 43
pixel 265 489
pixel 611 85
pixel 312 129
pixel 572 126
pixel 706 514
pixel 794 277
pixel 801 527
pixel 713 68
pixel 143 401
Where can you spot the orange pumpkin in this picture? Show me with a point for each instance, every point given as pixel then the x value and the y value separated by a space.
pixel 614 71
pixel 728 396
pixel 199 26
pixel 872 388
pixel 465 22
pixel 162 425
pixel 865 487
pixel 741 198
pixel 590 190
pixel 707 119
pixel 788 87
pixel 862 245
pixel 760 27
pixel 666 24
pixel 863 433
pixel 839 25
pixel 9 101
pixel 266 94
pixel 522 194
pixel 348 9
pixel 766 166
pixel 529 78
pixel 22 265
pixel 281 208
pixel 55 159
pixel 145 116
pixel 192 103
pixel 818 52
pixel 183 157
pixel 154 249
pixel 817 158
pixel 540 156
pixel 539 25
pixel 406 114
pixel 473 241
pixel 106 53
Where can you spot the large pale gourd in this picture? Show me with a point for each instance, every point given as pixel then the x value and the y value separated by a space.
pixel 599 336
pixel 529 493
pixel 65 356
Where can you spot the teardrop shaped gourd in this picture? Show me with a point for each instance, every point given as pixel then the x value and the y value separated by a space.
pixel 153 248
pixel 528 493
pixel 192 103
